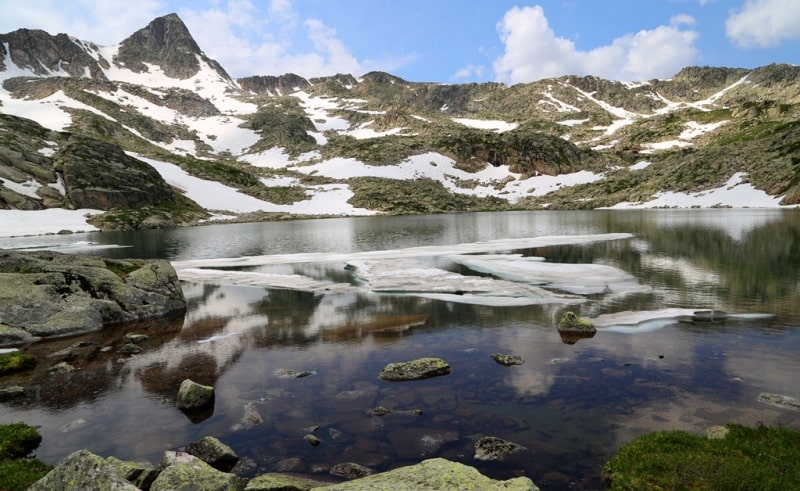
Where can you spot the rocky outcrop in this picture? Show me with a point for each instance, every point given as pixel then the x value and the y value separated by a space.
pixel 100 175
pixel 415 369
pixel 45 54
pixel 165 42
pixel 432 475
pixel 271 85
pixel 47 294
pixel 85 470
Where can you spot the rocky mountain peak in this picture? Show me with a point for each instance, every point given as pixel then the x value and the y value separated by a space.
pixel 47 55
pixel 165 42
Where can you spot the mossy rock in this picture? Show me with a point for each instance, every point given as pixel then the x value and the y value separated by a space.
pixel 570 322
pixel 18 440
pixel 16 362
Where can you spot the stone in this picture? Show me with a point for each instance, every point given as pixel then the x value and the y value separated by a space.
pixel 12 392
pixel 129 349
pixel 421 368
pixel 434 475
pixel 214 453
pixel 45 294
pixel 507 360
pixel 196 475
pixel 193 396
pixel 779 400
pixel 141 475
pixel 716 432
pixel 62 367
pixel 285 373
pixel 419 443
pixel 83 470
pixel 494 449
pixel 282 482
pixel 350 470
pixel 250 418
pixel 571 323
pixel 136 338
pixel 312 440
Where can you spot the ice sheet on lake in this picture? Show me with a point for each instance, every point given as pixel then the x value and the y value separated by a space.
pixel 581 279
pixel 405 275
pixel 467 248
pixel 267 280
pixel 651 320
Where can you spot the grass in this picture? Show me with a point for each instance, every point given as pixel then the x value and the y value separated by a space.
pixel 17 472
pixel 759 458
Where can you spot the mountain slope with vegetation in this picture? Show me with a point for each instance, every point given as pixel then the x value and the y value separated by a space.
pixel 133 129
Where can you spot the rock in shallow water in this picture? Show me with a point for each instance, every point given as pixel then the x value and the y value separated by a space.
pixel 415 369
pixel 193 396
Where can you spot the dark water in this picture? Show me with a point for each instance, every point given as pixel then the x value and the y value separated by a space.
pixel 570 405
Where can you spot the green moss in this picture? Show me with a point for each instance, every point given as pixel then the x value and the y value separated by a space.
pixel 15 362
pixel 747 458
pixel 571 322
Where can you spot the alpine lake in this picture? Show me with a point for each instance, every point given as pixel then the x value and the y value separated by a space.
pixel 287 363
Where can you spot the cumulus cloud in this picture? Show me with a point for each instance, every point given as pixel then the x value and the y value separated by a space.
pixel 764 23
pixel 533 51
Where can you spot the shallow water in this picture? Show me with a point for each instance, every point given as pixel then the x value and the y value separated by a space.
pixel 570 405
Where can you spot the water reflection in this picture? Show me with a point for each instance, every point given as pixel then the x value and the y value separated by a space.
pixel 570 405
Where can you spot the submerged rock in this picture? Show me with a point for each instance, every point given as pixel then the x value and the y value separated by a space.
pixel 350 470
pixel 493 448
pixel 250 418
pixel 779 400
pixel 507 360
pixel 421 368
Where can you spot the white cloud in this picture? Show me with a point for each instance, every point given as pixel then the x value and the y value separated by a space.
pixel 764 23
pixel 469 72
pixel 533 51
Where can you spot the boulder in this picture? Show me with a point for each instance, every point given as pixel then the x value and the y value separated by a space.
pixel 434 475
pixel 276 481
pixel 141 475
pixel 194 474
pixel 83 470
pixel 350 470
pixel 47 294
pixel 415 369
pixel 193 396
pixel 571 323
pixel 214 453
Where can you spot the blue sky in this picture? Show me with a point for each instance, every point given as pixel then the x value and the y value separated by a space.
pixel 451 41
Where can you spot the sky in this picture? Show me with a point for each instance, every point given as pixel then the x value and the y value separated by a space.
pixel 447 41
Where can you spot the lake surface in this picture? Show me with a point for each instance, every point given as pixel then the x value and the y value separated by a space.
pixel 571 404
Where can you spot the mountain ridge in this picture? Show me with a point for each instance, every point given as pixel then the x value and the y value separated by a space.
pixel 292 143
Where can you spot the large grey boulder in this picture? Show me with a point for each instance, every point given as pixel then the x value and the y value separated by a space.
pixel 83 470
pixel 433 475
pixel 214 453
pixel 47 294
pixel 192 474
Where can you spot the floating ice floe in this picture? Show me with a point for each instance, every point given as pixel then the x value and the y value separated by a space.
pixel 651 320
pixel 581 279
pixel 409 276
pixel 266 280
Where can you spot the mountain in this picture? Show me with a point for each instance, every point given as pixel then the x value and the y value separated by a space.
pixel 155 133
